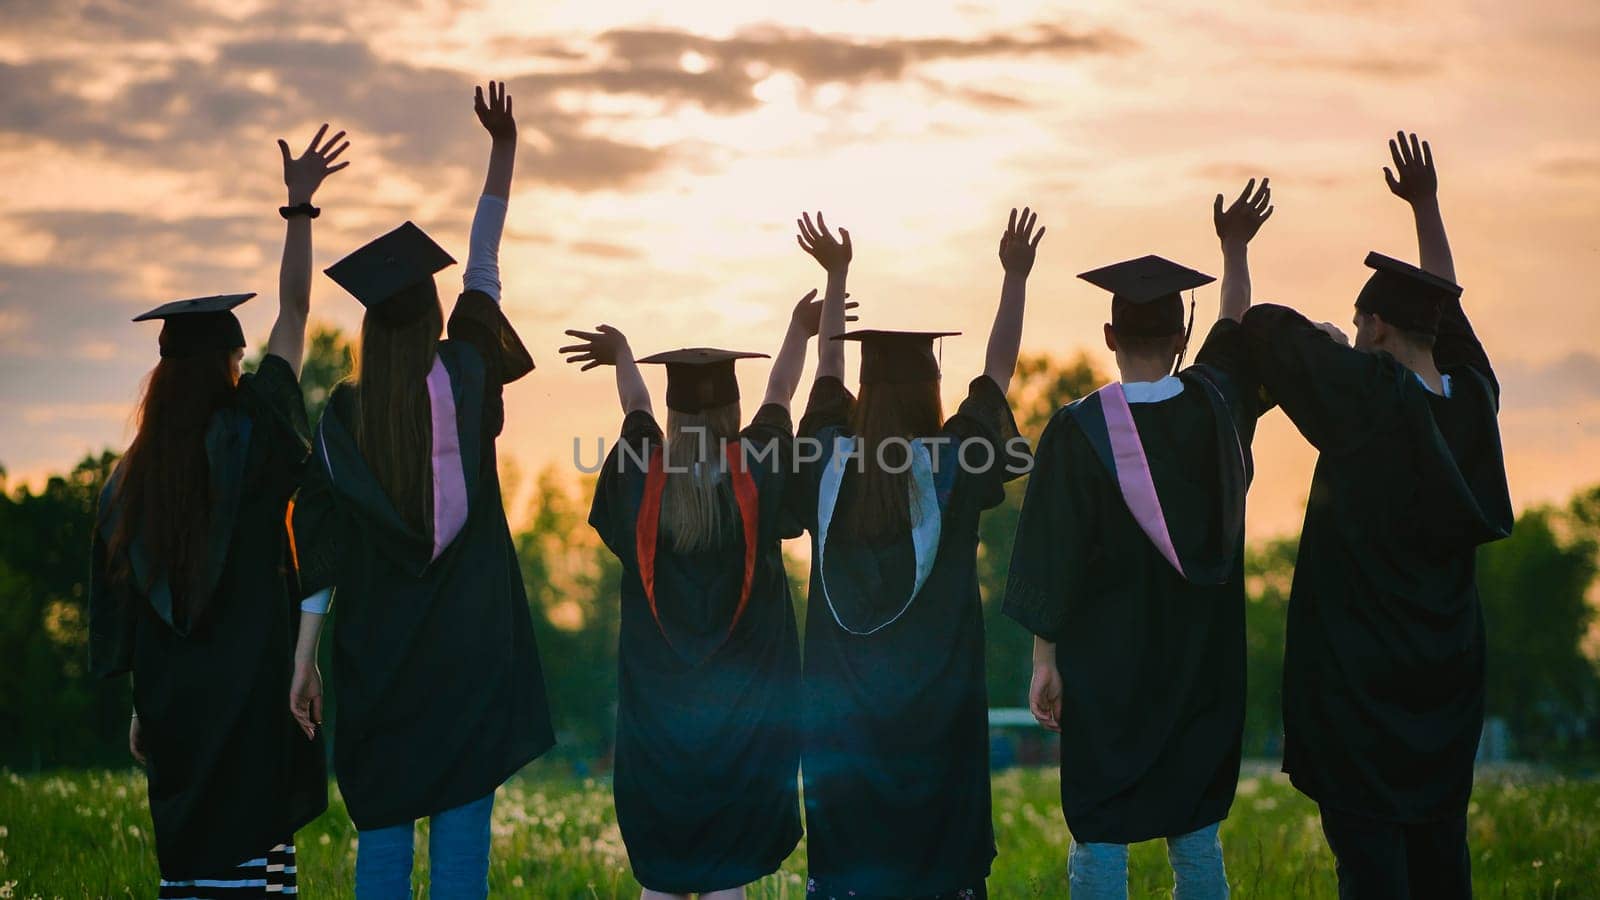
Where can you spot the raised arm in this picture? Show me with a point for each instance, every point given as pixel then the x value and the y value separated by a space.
pixel 834 257
pixel 1415 181
pixel 1235 228
pixel 302 176
pixel 1018 246
pixel 606 346
pixel 483 250
pixel 804 324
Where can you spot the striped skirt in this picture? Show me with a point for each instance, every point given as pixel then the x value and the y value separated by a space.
pixel 265 876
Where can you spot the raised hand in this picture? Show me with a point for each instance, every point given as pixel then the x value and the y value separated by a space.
pixel 304 174
pixel 602 347
pixel 1333 331
pixel 1413 179
pixel 1244 217
pixel 1019 243
pixel 807 315
pixel 817 240
pixel 496 114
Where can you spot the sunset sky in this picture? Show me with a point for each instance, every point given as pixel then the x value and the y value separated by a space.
pixel 667 148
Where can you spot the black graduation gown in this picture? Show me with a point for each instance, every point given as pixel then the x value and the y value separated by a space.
pixel 708 752
pixel 230 773
pixel 896 748
pixel 1152 661
pixel 441 697
pixel 1383 684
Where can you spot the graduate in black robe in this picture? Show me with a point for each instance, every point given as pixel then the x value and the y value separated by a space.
pixel 896 748
pixel 441 696
pixel 1383 685
pixel 708 744
pixel 1128 567
pixel 204 616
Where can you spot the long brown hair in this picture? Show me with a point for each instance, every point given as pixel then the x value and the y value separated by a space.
pixel 394 423
pixel 880 507
pixel 163 492
pixel 696 505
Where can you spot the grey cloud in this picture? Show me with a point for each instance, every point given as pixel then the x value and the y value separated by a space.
pixel 183 112
pixel 1570 381
pixel 1371 65
pixel 1573 167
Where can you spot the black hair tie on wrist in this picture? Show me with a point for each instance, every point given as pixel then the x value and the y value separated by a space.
pixel 302 209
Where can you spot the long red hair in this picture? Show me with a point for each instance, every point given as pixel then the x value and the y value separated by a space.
pixel 163 491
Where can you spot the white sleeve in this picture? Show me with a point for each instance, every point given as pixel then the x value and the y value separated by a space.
pixel 318 603
pixel 483 249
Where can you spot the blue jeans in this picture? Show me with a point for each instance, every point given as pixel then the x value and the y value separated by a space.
pixel 458 856
pixel 1100 871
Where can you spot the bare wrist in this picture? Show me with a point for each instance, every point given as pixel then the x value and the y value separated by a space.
pixel 1425 205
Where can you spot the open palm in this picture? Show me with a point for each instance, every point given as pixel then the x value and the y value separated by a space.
pixel 303 174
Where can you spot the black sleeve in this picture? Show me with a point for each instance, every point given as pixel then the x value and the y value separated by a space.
pixel 985 416
pixel 1335 395
pixel 1048 558
pixel 1458 345
pixel 830 404
pixel 317 530
pixel 478 322
pixel 625 464
pixel 769 442
pixel 771 420
pixel 111 617
pixel 271 397
pixel 1227 350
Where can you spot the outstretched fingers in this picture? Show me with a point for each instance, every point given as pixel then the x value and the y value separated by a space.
pixel 316 138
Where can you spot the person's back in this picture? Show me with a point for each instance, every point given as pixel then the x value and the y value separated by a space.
pixel 192 574
pixel 1383 685
pixel 1128 569
pixel 708 663
pixel 441 695
pixel 1385 646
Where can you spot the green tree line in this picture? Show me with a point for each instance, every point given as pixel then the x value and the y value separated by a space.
pixel 1536 590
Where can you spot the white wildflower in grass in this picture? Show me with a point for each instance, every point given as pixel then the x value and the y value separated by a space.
pixel 4 831
pixel 1538 864
pixel 1248 787
pixel 517 882
pixel 133 831
pixel 324 840
pixel 1265 803
pixel 6 889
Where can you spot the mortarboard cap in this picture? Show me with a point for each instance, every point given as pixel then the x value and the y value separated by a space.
pixel 700 378
pixel 897 357
pixel 383 273
pixel 198 325
pixel 1404 295
pixel 1144 294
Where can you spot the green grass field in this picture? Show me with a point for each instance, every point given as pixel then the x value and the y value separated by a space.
pixel 88 834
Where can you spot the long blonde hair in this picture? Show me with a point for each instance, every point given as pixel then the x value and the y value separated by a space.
pixel 697 508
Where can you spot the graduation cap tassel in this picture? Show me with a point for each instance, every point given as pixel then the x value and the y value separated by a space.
pixel 1187 334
